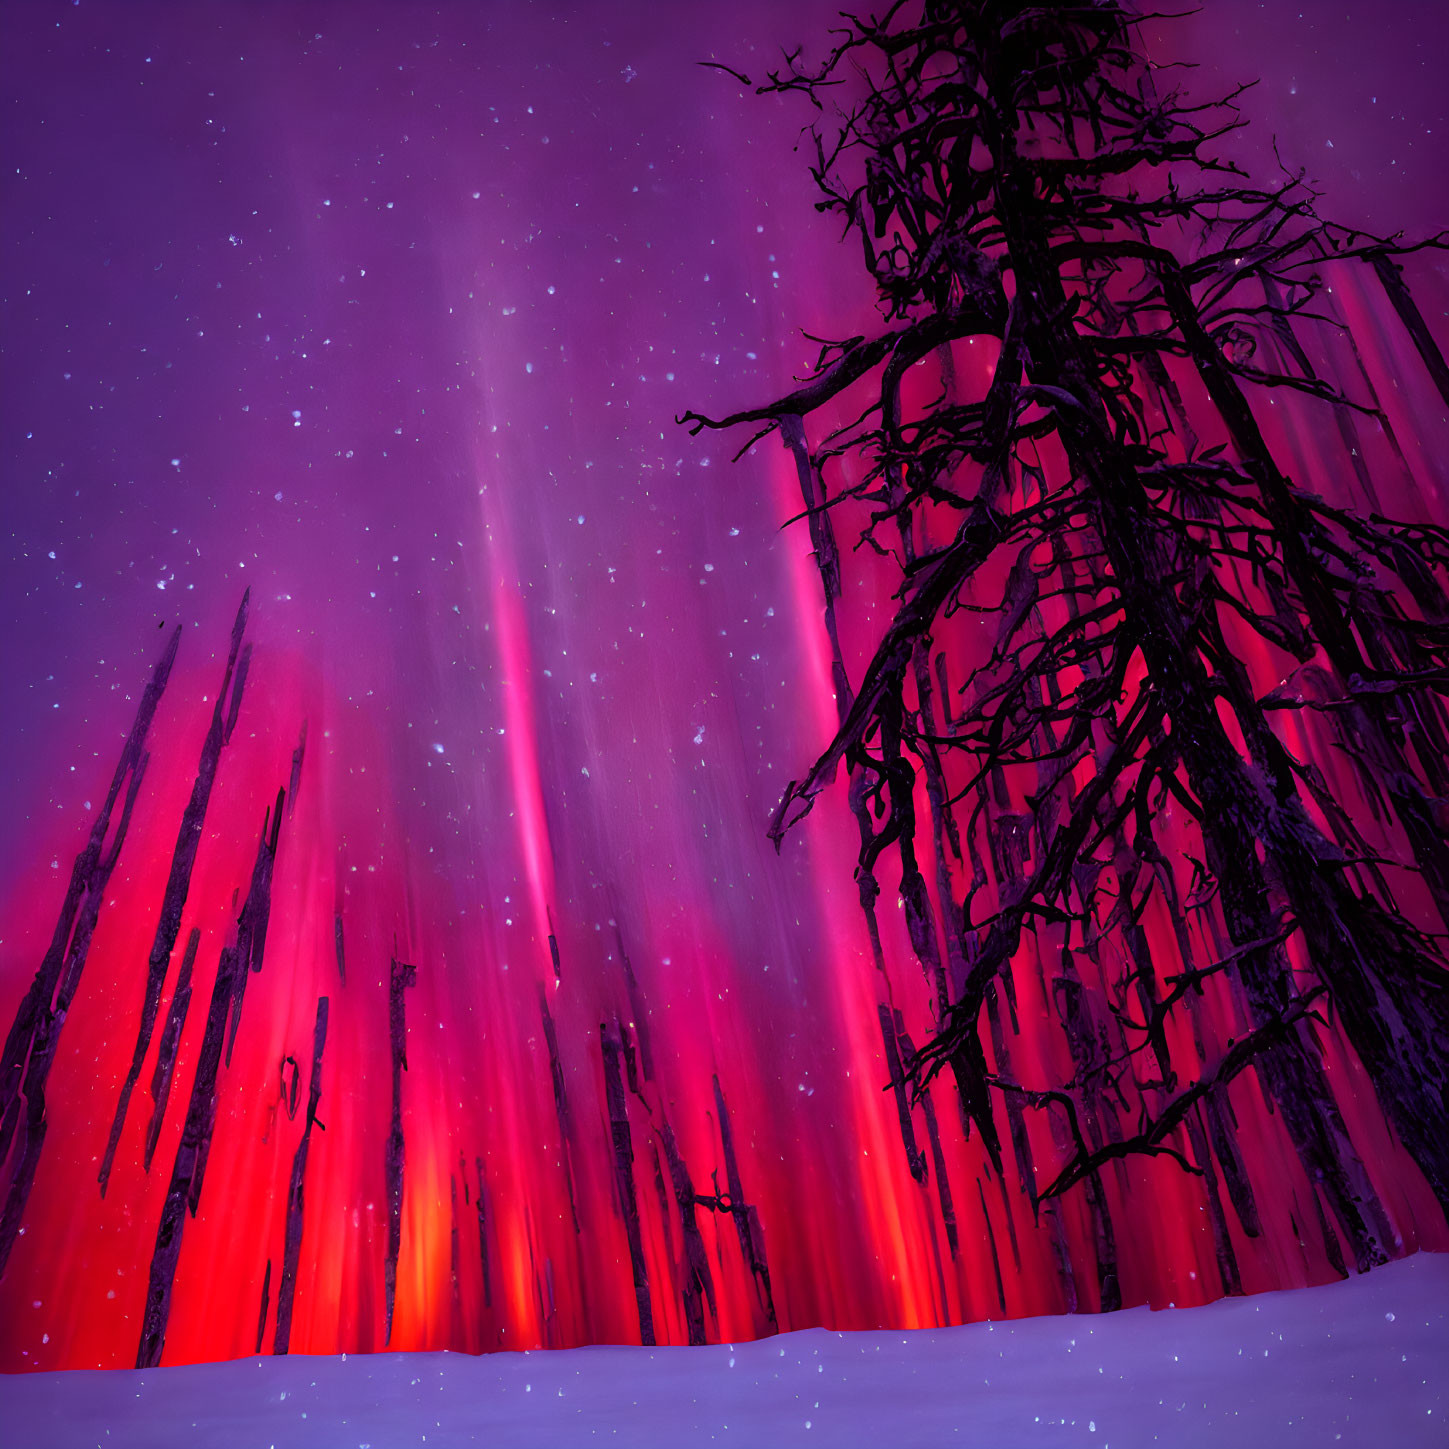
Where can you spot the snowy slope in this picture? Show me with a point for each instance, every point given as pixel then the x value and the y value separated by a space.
pixel 1360 1363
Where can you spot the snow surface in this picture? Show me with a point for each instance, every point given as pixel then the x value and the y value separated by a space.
pixel 1359 1363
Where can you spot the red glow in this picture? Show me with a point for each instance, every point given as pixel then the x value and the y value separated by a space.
pixel 630 820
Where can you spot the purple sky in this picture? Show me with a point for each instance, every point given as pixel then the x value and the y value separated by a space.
pixel 385 311
pixel 274 274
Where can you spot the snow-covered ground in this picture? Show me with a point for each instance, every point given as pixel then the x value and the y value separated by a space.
pixel 1361 1363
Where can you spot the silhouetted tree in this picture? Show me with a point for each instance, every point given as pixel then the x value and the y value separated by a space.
pixel 1136 672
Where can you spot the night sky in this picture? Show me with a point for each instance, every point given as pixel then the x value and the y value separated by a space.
pixel 289 290
pixel 384 311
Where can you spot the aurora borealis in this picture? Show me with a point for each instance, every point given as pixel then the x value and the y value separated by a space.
pixel 385 315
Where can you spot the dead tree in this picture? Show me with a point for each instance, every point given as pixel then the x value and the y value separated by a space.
pixel 400 976
pixel 1136 671
pixel 296 1187
pixel 34 1037
pixel 188 1170
pixel 613 1049
pixel 183 859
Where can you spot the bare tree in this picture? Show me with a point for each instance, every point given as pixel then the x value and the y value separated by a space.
pixel 1153 714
